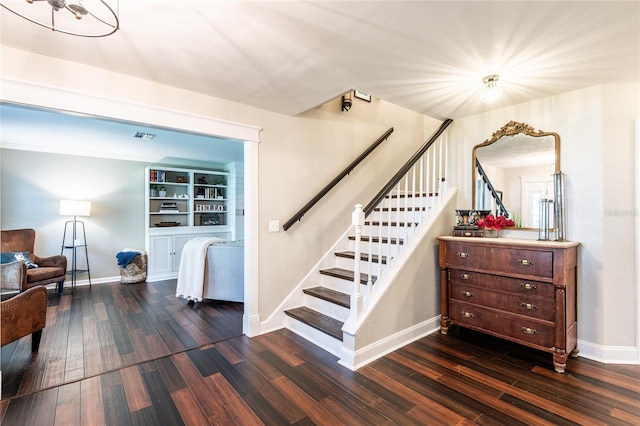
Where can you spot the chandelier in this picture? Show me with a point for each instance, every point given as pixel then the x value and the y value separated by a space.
pixel 84 18
pixel 490 90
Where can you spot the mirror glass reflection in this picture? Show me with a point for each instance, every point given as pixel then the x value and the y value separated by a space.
pixel 516 167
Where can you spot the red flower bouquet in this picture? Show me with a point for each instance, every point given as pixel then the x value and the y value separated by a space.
pixel 492 222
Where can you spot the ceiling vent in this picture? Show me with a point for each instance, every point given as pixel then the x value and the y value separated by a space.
pixel 143 135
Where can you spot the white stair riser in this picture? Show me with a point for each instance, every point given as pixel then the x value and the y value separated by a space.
pixel 317 337
pixel 325 307
pixel 387 249
pixel 406 202
pixel 411 216
pixel 345 263
pixel 387 231
pixel 337 284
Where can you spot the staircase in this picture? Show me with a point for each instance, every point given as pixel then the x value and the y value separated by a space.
pixel 327 305
pixel 340 294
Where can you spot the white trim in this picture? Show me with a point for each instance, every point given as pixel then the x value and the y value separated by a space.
pixel 361 357
pixel 29 93
pixel 251 319
pixel 609 354
pixel 637 214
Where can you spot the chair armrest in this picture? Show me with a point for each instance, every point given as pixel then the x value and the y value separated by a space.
pixel 58 260
pixel 23 314
pixel 13 275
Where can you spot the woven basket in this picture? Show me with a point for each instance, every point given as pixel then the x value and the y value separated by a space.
pixel 135 271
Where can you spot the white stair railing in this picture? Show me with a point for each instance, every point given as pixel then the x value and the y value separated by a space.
pixel 396 220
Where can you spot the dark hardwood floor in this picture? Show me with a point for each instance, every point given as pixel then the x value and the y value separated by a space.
pixel 111 326
pixel 278 379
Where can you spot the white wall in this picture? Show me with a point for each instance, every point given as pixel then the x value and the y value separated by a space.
pixel 33 183
pixel 597 138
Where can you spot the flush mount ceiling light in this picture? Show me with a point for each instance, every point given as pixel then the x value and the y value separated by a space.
pixel 84 18
pixel 490 90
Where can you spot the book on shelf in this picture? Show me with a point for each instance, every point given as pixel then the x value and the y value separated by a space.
pixel 168 207
pixel 157 176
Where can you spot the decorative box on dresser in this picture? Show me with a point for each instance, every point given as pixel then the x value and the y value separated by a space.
pixel 524 291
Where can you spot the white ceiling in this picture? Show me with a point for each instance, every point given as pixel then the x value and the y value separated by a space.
pixel 290 56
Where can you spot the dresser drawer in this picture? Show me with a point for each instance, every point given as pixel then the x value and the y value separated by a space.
pixel 530 306
pixel 503 324
pixel 507 260
pixel 522 287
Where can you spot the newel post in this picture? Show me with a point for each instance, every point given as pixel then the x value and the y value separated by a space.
pixel 357 219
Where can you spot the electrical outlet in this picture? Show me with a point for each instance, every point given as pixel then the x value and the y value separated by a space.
pixel 274 226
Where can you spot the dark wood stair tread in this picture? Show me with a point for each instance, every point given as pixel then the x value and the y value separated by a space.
pixel 401 209
pixel 363 256
pixel 411 195
pixel 346 274
pixel 400 224
pixel 324 323
pixel 385 240
pixel 333 296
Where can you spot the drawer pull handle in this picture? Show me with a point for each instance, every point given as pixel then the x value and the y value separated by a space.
pixel 525 262
pixel 465 276
pixel 529 306
pixel 528 286
pixel 527 330
pixel 463 254
pixel 467 314
pixel 467 293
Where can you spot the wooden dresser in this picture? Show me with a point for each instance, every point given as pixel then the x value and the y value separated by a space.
pixel 519 290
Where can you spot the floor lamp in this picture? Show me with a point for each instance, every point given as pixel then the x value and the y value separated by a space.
pixel 75 209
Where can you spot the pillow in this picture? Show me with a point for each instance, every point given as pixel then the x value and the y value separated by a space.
pixel 10 256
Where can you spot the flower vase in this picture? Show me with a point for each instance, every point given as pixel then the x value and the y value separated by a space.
pixel 491 233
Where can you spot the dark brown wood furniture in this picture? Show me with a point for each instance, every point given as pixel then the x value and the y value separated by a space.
pixel 24 314
pixel 520 290
pixel 51 269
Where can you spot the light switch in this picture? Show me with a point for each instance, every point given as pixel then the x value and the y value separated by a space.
pixel 274 226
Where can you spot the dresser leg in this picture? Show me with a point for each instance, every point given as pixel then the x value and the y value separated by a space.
pixel 560 360
pixel 444 324
pixel 445 321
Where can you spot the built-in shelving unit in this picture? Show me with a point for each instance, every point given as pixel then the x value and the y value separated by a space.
pixel 181 204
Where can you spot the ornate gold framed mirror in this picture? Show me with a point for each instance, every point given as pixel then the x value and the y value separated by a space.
pixel 513 170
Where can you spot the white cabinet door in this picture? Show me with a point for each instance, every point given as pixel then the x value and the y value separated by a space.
pixel 178 244
pixel 165 252
pixel 160 255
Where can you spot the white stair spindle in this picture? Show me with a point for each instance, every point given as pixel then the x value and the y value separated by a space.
pixel 369 260
pixel 357 220
pixel 421 215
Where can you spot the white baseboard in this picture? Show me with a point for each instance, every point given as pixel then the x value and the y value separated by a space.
pixel 361 357
pixel 251 325
pixel 609 354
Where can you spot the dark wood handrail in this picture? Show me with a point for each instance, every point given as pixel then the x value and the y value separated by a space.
pixel 407 166
pixel 298 216
pixel 501 208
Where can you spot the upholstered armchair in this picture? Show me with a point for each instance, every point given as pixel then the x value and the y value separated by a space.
pixel 17 275
pixel 24 314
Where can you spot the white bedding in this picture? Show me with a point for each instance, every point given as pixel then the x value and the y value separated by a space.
pixel 192 267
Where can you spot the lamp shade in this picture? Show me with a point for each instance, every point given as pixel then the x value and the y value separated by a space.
pixel 75 208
